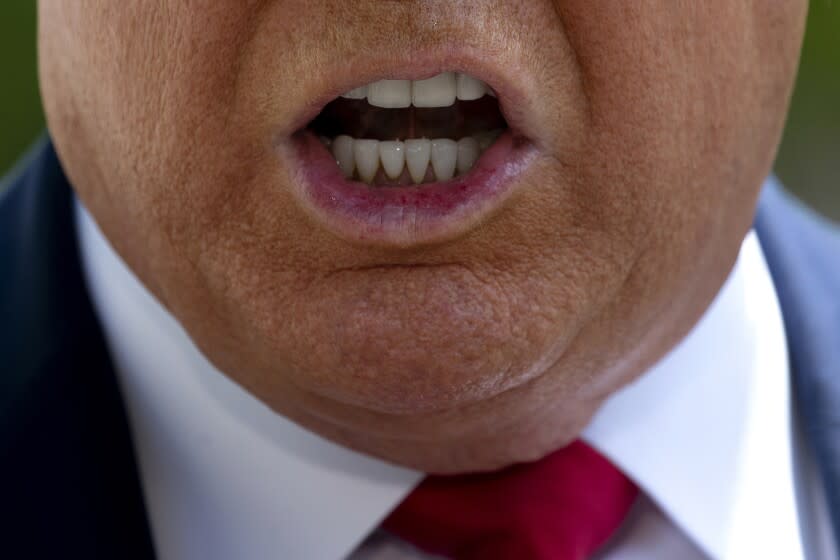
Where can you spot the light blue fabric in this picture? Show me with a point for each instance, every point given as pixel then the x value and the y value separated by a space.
pixel 803 253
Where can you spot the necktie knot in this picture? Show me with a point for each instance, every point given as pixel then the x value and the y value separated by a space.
pixel 563 507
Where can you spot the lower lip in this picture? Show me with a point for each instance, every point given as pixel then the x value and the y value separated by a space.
pixel 405 216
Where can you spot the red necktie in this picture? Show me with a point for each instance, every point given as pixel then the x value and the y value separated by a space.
pixel 563 507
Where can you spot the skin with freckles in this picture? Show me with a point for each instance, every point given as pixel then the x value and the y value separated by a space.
pixel 655 123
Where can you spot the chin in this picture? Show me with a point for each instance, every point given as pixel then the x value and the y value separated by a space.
pixel 471 456
pixel 483 437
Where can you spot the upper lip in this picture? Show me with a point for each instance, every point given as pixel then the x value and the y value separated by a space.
pixel 512 97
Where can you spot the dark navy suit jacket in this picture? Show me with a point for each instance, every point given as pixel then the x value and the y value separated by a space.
pixel 69 485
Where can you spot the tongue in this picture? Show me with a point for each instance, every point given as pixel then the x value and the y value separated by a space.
pixel 359 119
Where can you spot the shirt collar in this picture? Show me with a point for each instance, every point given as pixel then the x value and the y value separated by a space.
pixel 705 433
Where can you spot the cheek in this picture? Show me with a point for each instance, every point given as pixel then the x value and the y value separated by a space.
pixel 685 108
pixel 152 128
pixel 153 91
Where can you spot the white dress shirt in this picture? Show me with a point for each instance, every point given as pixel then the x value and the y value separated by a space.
pixel 708 434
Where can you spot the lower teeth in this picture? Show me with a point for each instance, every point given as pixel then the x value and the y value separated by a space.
pixel 410 161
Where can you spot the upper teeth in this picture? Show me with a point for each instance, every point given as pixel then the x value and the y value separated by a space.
pixel 439 91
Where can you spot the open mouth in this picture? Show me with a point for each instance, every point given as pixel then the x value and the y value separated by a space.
pixel 405 162
pixel 411 132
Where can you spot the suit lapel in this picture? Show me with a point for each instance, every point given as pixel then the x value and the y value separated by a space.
pixel 68 471
pixel 803 253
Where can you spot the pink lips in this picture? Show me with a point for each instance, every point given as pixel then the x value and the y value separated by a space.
pixel 404 216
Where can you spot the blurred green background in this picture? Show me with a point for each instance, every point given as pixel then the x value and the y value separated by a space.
pixel 808 163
